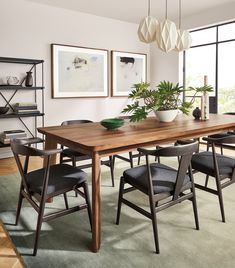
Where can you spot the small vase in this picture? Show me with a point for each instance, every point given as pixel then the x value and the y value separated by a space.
pixel 197 113
pixel 205 106
pixel 29 79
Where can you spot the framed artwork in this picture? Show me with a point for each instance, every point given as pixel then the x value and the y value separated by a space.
pixel 79 72
pixel 127 70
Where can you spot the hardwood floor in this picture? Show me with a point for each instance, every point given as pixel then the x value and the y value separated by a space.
pixel 9 257
pixel 8 165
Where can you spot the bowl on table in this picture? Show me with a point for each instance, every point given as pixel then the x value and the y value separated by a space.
pixel 112 123
pixel 3 109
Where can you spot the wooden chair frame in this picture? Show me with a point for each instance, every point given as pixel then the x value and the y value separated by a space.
pixel 178 195
pixel 22 147
pixel 219 178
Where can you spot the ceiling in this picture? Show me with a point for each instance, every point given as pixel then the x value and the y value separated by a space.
pixel 134 10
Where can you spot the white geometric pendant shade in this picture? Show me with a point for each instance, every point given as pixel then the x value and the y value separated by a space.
pixel 184 40
pixel 147 29
pixel 166 35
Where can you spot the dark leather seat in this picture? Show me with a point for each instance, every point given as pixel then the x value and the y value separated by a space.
pixel 163 178
pixel 61 177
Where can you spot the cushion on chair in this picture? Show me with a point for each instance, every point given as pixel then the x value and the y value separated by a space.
pixel 203 162
pixel 163 178
pixel 72 153
pixel 61 177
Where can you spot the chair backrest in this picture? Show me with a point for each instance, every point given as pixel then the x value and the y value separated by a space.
pixel 227 139
pixel 23 147
pixel 185 153
pixel 74 122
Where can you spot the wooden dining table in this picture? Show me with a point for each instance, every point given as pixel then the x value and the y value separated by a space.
pixel 96 141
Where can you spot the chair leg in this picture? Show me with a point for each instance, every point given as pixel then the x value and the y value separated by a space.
pixel 19 207
pixel 66 200
pixel 221 149
pixel 139 156
pixel 74 165
pixel 39 225
pixel 131 159
pixel 114 157
pixel 61 158
pixel 120 195
pixel 207 180
pixel 220 196
pixel 194 203
pixel 111 164
pixel 154 224
pixel 87 198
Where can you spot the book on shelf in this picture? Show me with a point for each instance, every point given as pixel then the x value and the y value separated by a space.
pixel 28 112
pixel 13 131
pixel 11 134
pixel 25 108
pixel 25 104
pixel 6 139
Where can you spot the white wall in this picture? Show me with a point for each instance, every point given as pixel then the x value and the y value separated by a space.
pixel 27 30
pixel 166 66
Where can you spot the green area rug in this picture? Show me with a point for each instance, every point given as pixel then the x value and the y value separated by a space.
pixel 65 242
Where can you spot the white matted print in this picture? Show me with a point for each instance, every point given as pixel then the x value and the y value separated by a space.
pixel 127 69
pixel 79 72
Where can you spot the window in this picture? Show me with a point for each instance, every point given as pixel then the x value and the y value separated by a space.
pixel 213 54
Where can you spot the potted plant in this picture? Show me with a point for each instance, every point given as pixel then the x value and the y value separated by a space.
pixel 165 101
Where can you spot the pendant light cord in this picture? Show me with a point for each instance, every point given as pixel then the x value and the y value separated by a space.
pixel 179 14
pixel 148 8
pixel 166 9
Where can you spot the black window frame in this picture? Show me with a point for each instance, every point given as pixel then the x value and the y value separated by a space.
pixel 213 99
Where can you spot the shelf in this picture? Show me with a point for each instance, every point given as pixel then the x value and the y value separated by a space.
pixel 4 116
pixel 18 87
pixel 7 92
pixel 20 60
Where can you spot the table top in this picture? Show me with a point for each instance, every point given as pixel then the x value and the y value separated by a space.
pixel 92 137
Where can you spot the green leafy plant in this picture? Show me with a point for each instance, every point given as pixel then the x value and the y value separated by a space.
pixel 167 96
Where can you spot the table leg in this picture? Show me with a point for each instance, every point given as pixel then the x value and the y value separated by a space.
pixel 96 229
pixel 50 143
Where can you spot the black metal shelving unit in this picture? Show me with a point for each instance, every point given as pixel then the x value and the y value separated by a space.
pixel 33 63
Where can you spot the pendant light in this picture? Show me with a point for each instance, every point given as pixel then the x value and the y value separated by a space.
pixel 184 39
pixel 147 28
pixel 166 34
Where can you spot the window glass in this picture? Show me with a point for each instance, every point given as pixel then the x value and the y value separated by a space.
pixel 226 77
pixel 203 36
pixel 200 62
pixel 226 32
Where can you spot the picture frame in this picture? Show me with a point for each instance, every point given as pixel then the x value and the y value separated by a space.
pixel 79 71
pixel 127 69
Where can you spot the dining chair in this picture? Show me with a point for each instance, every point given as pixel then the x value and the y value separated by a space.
pixel 160 183
pixel 68 155
pixel 131 155
pixel 45 183
pixel 220 135
pixel 217 166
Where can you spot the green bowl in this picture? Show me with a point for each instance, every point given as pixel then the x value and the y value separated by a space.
pixel 112 123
